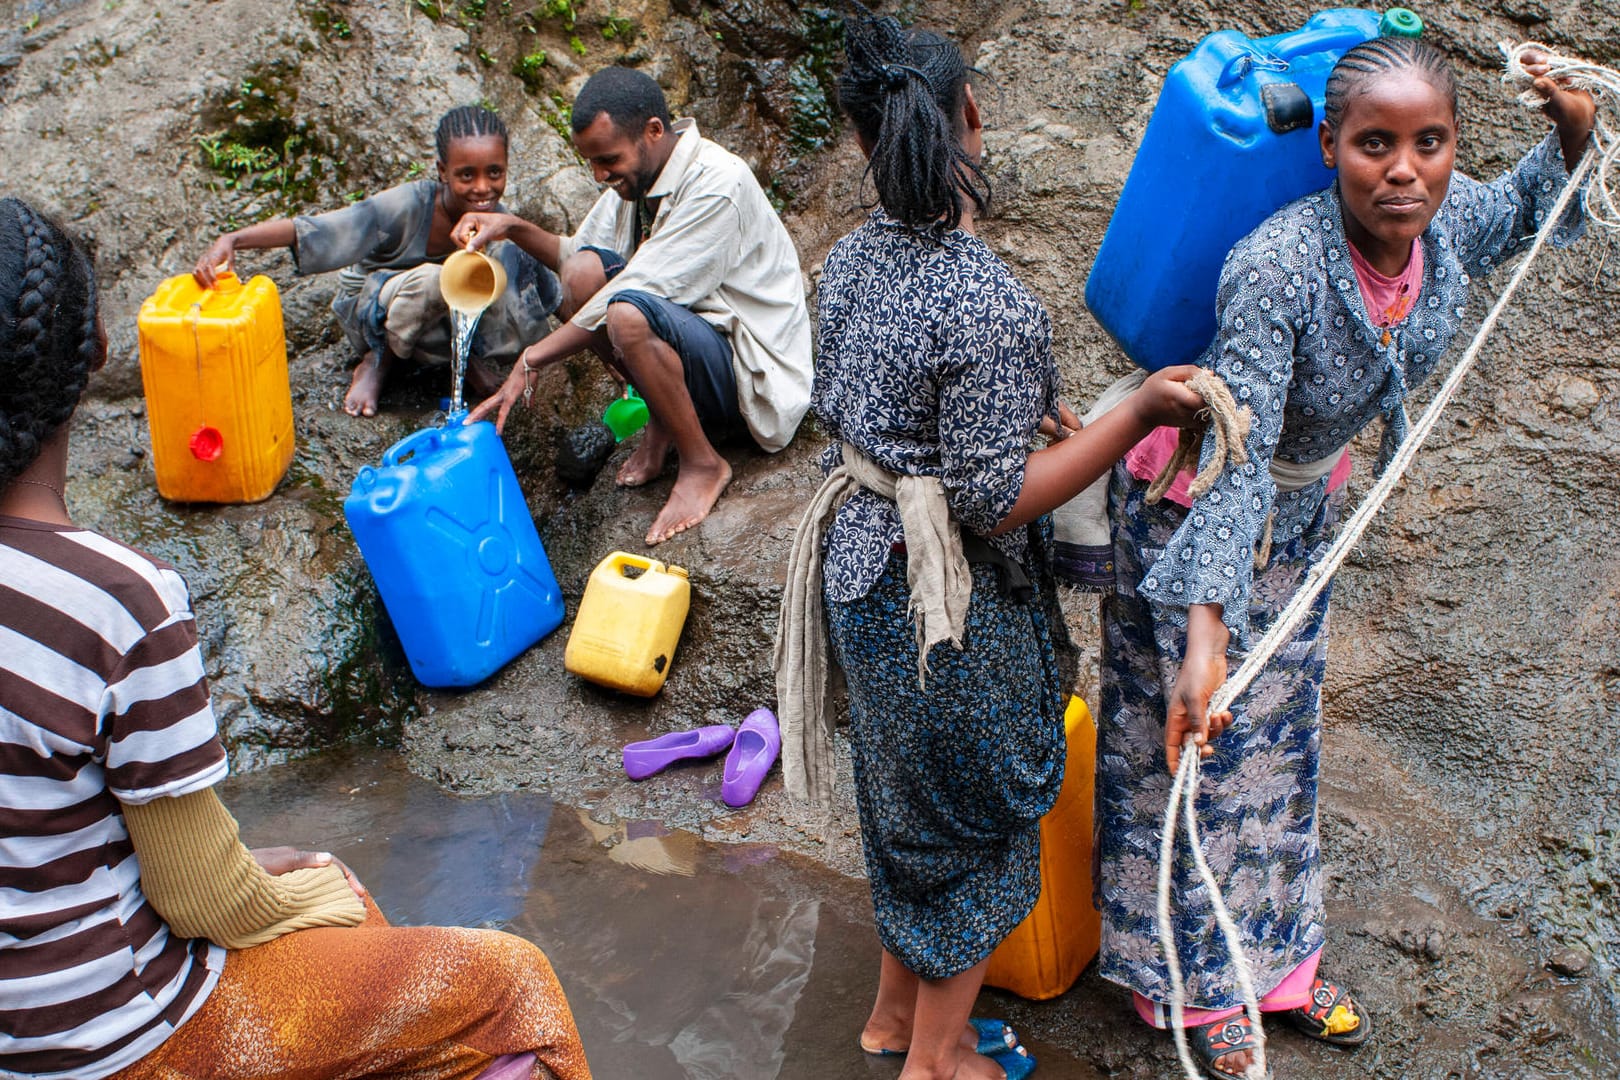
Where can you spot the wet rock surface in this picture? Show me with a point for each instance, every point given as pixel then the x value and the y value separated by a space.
pixel 1469 789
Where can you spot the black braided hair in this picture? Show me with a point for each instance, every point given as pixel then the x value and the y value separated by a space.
pixel 49 339
pixel 904 93
pixel 466 122
pixel 1371 58
pixel 629 97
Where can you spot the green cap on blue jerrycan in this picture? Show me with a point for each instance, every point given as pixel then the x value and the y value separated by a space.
pixel 626 415
pixel 1400 22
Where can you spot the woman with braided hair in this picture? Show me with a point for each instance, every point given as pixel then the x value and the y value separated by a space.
pixel 139 938
pixel 1328 313
pixel 934 375
pixel 389 248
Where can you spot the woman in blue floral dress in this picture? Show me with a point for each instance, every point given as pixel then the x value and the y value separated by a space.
pixel 933 377
pixel 1329 312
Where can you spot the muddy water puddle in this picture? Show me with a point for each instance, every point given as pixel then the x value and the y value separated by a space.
pixel 681 958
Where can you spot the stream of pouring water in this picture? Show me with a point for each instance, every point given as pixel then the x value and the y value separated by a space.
pixel 463 324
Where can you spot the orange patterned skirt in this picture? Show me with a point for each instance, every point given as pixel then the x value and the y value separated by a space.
pixel 405 1002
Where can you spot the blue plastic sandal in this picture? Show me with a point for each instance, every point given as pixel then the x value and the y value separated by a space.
pixel 1016 1062
pixel 994 1036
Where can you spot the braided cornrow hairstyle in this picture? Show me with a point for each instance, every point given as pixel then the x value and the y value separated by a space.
pixel 466 122
pixel 904 93
pixel 49 338
pixel 1383 54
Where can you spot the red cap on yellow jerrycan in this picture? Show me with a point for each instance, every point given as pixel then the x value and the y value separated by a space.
pixel 218 404
pixel 629 623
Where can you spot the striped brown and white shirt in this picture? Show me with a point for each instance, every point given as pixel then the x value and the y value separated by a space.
pixel 102 700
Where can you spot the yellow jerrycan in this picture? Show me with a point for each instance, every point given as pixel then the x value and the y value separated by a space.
pixel 214 364
pixel 629 623
pixel 1045 953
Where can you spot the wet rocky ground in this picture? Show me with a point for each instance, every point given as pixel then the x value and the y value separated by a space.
pixel 1469 791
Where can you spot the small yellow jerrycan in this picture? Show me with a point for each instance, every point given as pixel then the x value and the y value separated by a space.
pixel 1044 954
pixel 214 364
pixel 628 624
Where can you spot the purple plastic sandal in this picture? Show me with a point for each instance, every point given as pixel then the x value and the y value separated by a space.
pixel 642 759
pixel 759 740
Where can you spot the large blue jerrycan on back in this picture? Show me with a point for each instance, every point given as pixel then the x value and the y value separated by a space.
pixel 1231 140
pixel 447 536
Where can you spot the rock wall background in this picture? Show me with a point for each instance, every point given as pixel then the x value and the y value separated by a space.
pixel 1471 774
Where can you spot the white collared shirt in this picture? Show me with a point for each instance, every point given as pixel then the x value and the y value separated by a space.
pixel 718 248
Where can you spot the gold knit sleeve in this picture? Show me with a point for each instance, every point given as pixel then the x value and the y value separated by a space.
pixel 205 883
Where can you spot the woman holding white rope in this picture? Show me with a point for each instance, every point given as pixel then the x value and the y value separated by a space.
pixel 1329 312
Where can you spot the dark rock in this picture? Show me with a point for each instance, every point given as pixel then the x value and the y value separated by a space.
pixel 582 452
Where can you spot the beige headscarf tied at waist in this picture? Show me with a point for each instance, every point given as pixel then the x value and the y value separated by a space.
pixel 941 585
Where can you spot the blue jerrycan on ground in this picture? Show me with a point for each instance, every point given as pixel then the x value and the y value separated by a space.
pixel 447 536
pixel 1232 140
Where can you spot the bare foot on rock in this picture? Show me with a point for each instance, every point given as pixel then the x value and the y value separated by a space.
pixel 697 489
pixel 365 388
pixel 646 462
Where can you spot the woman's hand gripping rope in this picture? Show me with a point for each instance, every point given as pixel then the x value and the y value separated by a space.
pixel 1230 424
pixel 1190 724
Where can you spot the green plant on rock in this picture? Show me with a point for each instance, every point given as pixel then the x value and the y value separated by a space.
pixel 618 28
pixel 576 45
pixel 561 10
pixel 486 59
pixel 530 70
pixel 327 21
pixel 559 116
pixel 238 165
pixel 811 78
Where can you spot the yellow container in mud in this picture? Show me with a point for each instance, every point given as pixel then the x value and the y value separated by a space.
pixel 628 624
pixel 214 364
pixel 1045 953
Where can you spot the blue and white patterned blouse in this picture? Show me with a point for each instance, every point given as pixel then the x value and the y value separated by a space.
pixel 1296 345
pixel 934 361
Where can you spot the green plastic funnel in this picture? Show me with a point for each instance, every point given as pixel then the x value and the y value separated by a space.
pixel 627 415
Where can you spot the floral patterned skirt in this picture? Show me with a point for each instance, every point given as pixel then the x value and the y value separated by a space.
pixel 1257 797
pixel 951 779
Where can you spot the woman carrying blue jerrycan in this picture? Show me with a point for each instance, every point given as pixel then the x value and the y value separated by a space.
pixel 1328 313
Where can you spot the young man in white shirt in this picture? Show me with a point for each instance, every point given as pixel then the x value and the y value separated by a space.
pixel 683 279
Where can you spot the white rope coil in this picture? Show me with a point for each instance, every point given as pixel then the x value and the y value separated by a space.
pixel 1601 202
pixel 1603 209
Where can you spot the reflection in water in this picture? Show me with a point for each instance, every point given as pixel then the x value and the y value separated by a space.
pixel 682 960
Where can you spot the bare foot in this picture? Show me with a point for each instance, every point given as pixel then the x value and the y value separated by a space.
pixel 697 489
pixel 875 1041
pixel 646 463
pixel 968 1066
pixel 366 386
